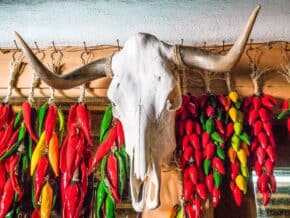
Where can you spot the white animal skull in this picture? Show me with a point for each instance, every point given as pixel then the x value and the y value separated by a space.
pixel 145 93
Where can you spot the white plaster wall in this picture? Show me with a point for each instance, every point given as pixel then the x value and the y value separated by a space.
pixel 99 22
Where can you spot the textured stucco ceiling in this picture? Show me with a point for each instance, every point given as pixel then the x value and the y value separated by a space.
pixel 99 22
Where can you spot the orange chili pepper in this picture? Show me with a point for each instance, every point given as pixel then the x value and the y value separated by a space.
pixel 53 154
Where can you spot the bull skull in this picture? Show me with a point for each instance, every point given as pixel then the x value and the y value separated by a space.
pixel 145 93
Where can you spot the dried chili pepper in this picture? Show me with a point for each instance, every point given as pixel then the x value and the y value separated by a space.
pixel 53 154
pixel 41 116
pixel 6 198
pixel 112 173
pixel 50 122
pixel 39 177
pixel 38 153
pixel 46 200
pixel 84 122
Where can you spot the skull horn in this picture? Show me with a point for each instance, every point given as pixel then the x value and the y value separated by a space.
pixel 88 72
pixel 195 57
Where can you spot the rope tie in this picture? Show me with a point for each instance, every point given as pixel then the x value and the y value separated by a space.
pixel 16 67
pixel 56 67
pixel 35 82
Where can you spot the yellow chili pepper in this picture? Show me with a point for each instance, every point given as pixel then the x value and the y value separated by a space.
pixel 37 153
pixel 238 127
pixel 233 114
pixel 233 96
pixel 245 171
pixel 241 183
pixel 46 200
pixel 245 147
pixel 53 154
pixel 232 155
pixel 242 156
pixel 235 142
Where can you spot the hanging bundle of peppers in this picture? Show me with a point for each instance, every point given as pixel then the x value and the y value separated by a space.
pixel 258 112
pixel 285 113
pixel 189 134
pixel 44 167
pixel 74 156
pixel 114 165
pixel 238 148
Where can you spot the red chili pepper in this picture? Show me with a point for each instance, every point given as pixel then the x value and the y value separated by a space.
pixel 263 182
pixel 7 134
pixel 192 109
pixel 62 155
pixel 253 115
pixel 201 190
pixel 189 126
pixel 268 101
pixel 79 149
pixel 273 183
pixel 263 139
pixel 261 154
pixel 6 198
pixel 271 153
pixel 11 141
pixel 64 182
pixel 218 165
pixel 192 174
pixel 254 144
pixel 235 168
pixel 196 204
pixel 71 117
pixel 36 213
pixel 84 122
pixel 112 173
pixel 209 182
pixel 120 134
pixel 2 177
pixel 238 196
pixel 26 113
pixel 50 122
pixel 187 153
pixel 194 139
pixel 103 148
pixel 5 109
pixel 229 130
pixel 70 153
pixel 12 162
pixel 219 126
pixel 266 197
pixel 216 196
pixel 190 211
pixel 72 194
pixel 257 167
pixel 269 166
pixel 264 115
pixel 209 111
pixel 205 139
pixel 258 126
pixel 198 158
pixel 185 141
pixel 285 105
pixel 288 124
pixel 39 177
pixel 256 102
pixel 268 128
pixel 248 102
pixel 187 190
pixel 198 129
pixel 210 150
pixel 202 101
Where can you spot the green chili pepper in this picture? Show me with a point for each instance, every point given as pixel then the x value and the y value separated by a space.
pixel 217 177
pixel 32 195
pixel 219 114
pixel 125 158
pixel 41 116
pixel 244 137
pixel 212 100
pixel 238 105
pixel 121 173
pixel 10 151
pixel 103 168
pixel 17 119
pixel 106 121
pixel 216 137
pixel 10 214
pixel 283 114
pixel 24 163
pixel 245 171
pixel 60 120
pixel 202 120
pixel 206 166
pixel 101 194
pixel 220 152
pixel 235 142
pixel 30 147
pixel 110 207
pixel 22 132
pixel 209 125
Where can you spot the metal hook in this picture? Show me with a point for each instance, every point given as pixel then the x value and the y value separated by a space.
pixel 38 50
pixel 85 47
pixel 16 51
pixel 268 45
pixel 250 44
pixel 286 46
pixel 118 44
pixel 85 52
pixel 56 51
pixel 204 45
pixel 224 45
pixel 182 41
